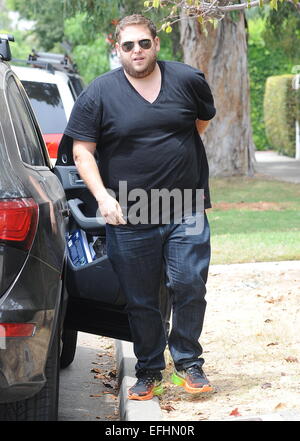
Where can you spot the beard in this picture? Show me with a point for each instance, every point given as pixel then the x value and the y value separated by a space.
pixel 130 70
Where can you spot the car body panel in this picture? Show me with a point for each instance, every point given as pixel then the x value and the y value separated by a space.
pixel 34 296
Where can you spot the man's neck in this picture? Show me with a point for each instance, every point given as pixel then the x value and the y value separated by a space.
pixel 154 75
pixel 149 86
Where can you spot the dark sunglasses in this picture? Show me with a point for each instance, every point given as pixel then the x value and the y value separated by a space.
pixel 129 45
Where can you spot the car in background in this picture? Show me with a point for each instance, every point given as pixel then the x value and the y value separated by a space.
pixel 52 84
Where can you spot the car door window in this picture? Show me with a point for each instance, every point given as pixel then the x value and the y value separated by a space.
pixel 28 141
pixel 47 105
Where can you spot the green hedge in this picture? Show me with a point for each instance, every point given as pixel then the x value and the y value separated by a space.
pixel 280 113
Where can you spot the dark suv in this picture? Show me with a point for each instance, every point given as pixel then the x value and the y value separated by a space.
pixel 37 269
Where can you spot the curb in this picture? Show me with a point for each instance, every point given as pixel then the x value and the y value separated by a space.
pixel 132 410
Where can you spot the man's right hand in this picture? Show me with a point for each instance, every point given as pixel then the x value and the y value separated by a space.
pixel 111 211
pixel 83 153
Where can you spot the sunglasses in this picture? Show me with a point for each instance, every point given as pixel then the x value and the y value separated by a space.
pixel 129 45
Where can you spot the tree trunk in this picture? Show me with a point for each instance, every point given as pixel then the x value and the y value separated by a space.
pixel 222 56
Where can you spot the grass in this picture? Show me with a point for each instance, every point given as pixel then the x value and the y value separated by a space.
pixel 254 220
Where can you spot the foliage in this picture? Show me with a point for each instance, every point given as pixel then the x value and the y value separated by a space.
pixel 49 16
pixel 91 57
pixel 262 62
pixel 24 41
pixel 279 112
pixel 282 30
pixel 205 11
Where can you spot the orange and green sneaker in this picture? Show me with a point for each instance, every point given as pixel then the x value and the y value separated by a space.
pixel 147 386
pixel 193 379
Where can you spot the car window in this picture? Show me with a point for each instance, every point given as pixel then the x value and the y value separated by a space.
pixel 47 105
pixel 28 141
pixel 76 87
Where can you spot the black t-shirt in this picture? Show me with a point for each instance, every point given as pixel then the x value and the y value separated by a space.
pixel 147 145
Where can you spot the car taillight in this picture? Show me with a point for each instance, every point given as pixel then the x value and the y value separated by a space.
pixel 18 221
pixel 17 329
pixel 52 141
pixel 18 224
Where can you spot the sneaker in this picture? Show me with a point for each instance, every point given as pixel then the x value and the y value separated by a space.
pixel 193 379
pixel 147 385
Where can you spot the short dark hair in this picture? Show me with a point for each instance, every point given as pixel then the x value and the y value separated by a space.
pixel 135 19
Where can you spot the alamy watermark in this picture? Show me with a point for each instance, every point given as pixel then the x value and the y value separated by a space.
pixel 162 206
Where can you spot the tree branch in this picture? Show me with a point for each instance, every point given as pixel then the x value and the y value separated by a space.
pixel 211 9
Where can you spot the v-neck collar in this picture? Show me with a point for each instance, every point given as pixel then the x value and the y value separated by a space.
pixel 162 72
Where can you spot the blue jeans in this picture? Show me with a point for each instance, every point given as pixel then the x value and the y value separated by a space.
pixel 140 257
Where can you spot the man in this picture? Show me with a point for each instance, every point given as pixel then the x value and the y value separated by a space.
pixel 142 119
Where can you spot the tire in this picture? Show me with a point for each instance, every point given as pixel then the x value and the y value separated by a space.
pixel 69 342
pixel 44 405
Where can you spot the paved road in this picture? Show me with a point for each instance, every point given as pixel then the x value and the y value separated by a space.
pixel 82 396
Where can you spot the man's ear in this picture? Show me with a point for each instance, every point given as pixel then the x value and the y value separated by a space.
pixel 117 47
pixel 157 44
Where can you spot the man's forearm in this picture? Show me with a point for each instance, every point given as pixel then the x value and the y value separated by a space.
pixel 83 153
pixel 88 170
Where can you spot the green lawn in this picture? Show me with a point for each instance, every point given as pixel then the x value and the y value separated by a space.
pixel 251 231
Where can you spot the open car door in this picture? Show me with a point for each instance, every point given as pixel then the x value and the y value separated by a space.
pixel 95 301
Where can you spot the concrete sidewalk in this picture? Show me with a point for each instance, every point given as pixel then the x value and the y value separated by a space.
pixel 279 167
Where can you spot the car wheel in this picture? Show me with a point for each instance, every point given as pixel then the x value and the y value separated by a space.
pixel 44 405
pixel 69 342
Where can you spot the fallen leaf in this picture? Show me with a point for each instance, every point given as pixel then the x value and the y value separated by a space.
pixel 266 385
pixel 96 395
pixel 280 406
pixel 113 374
pixel 272 300
pixel 291 359
pixel 111 395
pixel 235 412
pixel 96 370
pixel 168 408
pixel 273 344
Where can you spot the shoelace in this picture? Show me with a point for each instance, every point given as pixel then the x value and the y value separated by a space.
pixel 146 380
pixel 196 371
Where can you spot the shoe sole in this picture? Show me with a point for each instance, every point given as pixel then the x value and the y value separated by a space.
pixel 157 390
pixel 191 390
